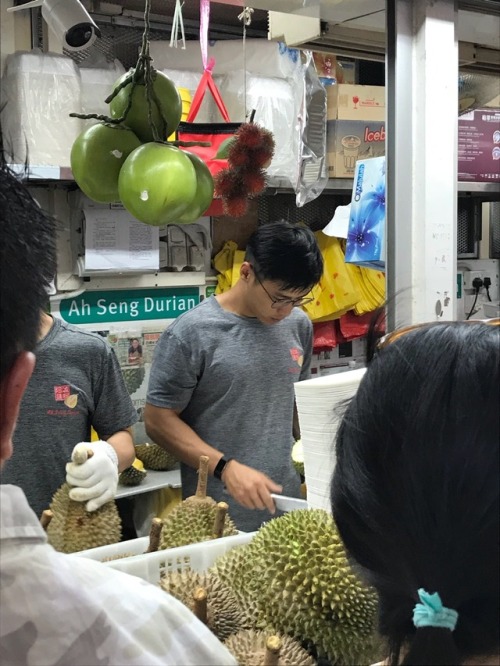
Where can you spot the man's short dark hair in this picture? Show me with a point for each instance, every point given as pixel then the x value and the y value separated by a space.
pixel 287 254
pixel 27 265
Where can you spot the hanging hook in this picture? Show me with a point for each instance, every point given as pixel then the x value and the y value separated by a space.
pixel 178 22
pixel 246 16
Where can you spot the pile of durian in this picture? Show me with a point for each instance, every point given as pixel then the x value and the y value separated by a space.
pixel 70 528
pixel 147 456
pixel 293 583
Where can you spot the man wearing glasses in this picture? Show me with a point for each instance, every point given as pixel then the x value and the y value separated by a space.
pixel 222 378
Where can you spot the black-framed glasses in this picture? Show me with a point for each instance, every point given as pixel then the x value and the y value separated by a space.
pixel 277 303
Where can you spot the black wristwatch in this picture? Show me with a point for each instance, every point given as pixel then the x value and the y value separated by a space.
pixel 221 465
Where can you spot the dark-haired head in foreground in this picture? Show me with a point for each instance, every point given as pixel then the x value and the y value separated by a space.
pixel 27 265
pixel 415 491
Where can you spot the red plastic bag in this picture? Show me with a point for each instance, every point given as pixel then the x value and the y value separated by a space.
pixel 215 133
pixel 324 336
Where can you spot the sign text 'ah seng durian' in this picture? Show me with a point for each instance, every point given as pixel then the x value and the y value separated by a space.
pixel 95 307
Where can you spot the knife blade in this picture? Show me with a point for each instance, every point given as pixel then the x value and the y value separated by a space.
pixel 284 503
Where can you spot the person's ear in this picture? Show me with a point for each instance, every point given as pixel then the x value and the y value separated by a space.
pixel 11 392
pixel 245 270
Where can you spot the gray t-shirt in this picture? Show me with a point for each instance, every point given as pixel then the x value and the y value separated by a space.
pixel 77 383
pixel 232 378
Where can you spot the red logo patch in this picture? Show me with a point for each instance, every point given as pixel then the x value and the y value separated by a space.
pixel 62 392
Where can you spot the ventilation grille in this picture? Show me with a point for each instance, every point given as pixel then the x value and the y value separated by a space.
pixel 495 230
pixel 315 214
pixel 468 219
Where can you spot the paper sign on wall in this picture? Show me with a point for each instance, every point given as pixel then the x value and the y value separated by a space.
pixel 116 241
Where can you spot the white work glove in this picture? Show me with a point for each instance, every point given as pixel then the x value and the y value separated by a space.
pixel 94 481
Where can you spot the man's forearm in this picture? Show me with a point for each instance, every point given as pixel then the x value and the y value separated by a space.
pixel 123 444
pixel 167 429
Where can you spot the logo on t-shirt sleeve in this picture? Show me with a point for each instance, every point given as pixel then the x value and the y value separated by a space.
pixel 297 356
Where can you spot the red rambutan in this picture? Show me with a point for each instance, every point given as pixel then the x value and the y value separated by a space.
pixel 224 182
pixel 250 135
pixel 238 154
pixel 260 157
pixel 235 207
pixel 268 141
pixel 255 181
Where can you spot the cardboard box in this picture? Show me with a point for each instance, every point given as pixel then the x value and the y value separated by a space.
pixel 366 236
pixel 331 70
pixel 350 140
pixel 479 146
pixel 347 102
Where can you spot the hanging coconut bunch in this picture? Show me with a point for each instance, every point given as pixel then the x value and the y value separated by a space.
pixel 126 156
pixel 248 153
pixel 197 518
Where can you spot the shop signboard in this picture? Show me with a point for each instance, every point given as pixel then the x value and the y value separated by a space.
pixel 102 307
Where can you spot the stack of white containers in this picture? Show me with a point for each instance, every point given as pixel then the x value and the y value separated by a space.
pixel 320 405
pixel 40 91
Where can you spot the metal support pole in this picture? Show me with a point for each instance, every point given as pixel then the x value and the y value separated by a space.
pixel 422 122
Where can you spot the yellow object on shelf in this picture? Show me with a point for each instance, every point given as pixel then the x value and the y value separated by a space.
pixel 186 105
pixel 165 500
pixel 336 293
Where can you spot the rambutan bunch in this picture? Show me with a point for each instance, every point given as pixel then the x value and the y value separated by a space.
pixel 249 153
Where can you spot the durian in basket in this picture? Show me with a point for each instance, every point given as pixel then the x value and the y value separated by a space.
pixel 197 518
pixel 217 608
pixel 295 579
pixel 259 648
pixel 72 528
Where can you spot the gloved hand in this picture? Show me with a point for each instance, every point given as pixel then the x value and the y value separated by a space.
pixel 95 481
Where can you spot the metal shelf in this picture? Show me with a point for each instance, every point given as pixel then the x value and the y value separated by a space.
pixel 341 185
pixel 153 481
pixel 490 191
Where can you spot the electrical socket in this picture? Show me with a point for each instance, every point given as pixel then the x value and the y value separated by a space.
pixel 469 277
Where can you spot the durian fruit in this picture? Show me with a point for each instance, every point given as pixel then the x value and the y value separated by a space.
pixel 133 377
pixel 259 648
pixel 295 579
pixel 133 475
pixel 72 528
pixel 298 457
pixel 197 518
pixel 155 457
pixel 223 614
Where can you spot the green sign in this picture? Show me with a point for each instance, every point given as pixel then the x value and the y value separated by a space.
pixel 95 307
pixel 210 290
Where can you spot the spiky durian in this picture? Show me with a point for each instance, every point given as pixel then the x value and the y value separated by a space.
pixel 155 457
pixel 294 575
pixel 133 475
pixel 197 518
pixel 133 377
pixel 224 615
pixel 249 648
pixel 298 457
pixel 72 528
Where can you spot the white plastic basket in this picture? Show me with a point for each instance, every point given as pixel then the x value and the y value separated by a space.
pixel 131 547
pixel 196 556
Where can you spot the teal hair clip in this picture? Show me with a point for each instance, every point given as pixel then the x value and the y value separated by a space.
pixel 432 613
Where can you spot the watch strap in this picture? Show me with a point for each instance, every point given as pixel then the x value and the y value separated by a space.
pixel 219 468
